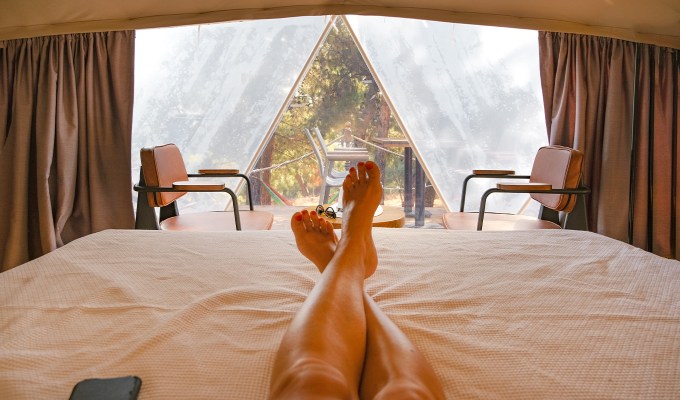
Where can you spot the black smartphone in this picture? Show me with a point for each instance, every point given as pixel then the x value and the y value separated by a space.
pixel 123 388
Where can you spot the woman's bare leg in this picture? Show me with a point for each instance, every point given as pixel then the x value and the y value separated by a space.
pixel 322 353
pixel 393 366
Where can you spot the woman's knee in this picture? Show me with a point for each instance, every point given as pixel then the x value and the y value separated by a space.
pixel 405 390
pixel 314 379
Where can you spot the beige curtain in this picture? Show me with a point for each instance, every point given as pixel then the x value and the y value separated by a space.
pixel 617 101
pixel 65 133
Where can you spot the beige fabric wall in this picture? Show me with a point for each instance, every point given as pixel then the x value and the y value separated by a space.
pixel 649 21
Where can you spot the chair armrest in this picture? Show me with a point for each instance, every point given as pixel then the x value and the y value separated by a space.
pixel 347 156
pixel 487 173
pixel 192 188
pixel 527 188
pixel 532 186
pixel 202 186
pixel 224 171
pixel 347 151
pixel 493 172
pixel 189 186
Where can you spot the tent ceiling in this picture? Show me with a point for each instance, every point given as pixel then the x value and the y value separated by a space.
pixel 649 21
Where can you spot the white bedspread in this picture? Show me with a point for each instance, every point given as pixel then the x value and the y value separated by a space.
pixel 549 314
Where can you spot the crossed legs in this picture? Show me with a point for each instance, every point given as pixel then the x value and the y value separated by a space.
pixel 340 344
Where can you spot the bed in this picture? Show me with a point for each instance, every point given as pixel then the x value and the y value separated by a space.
pixel 543 314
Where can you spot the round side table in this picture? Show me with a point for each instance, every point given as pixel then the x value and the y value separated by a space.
pixel 391 217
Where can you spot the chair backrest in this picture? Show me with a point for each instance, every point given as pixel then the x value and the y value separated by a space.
pixel 161 166
pixel 322 142
pixel 319 159
pixel 561 167
pixel 324 147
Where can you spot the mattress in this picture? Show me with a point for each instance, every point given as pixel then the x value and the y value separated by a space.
pixel 534 314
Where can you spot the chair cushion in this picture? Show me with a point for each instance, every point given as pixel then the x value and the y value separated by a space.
pixel 465 221
pixel 560 167
pixel 161 166
pixel 219 221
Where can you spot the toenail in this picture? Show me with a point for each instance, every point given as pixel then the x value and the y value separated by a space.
pixel 361 164
pixel 369 165
pixel 298 217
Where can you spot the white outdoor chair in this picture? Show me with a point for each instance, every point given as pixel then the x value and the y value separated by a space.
pixel 330 176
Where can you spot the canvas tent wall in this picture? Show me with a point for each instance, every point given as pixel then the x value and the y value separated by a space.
pixel 650 21
pixel 655 21
pixel 219 91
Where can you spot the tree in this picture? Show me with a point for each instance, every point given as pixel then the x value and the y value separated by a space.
pixel 338 88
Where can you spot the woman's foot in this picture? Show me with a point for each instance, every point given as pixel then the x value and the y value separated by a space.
pixel 315 237
pixel 362 193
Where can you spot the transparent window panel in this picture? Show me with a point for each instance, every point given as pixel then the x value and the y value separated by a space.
pixel 468 97
pixel 215 90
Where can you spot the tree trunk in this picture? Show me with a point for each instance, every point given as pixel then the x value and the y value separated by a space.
pixel 383 129
pixel 430 195
pixel 303 186
pixel 263 197
pixel 368 113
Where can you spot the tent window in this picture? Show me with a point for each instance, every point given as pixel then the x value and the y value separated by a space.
pixel 464 96
pixel 216 90
pixel 468 96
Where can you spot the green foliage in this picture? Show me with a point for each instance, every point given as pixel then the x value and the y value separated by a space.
pixel 339 88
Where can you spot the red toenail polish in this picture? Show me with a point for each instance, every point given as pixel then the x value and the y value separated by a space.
pixel 298 217
pixel 369 165
pixel 361 163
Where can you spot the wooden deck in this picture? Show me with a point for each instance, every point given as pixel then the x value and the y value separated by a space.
pixel 282 217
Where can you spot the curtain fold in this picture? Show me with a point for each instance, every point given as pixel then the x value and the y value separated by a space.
pixel 654 221
pixel 66 124
pixel 617 101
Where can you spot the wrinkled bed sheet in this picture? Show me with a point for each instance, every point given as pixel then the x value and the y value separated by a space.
pixel 549 314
